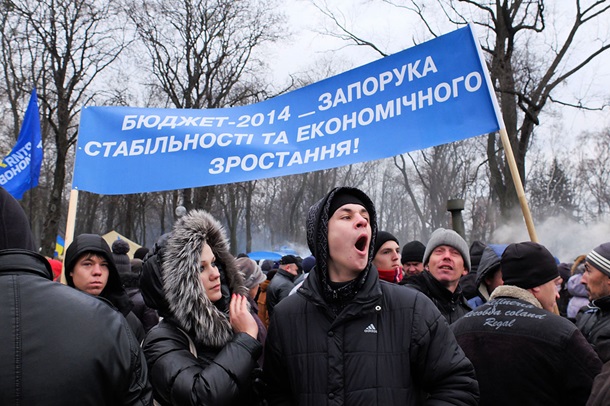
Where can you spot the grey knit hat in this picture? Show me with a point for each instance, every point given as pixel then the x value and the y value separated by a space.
pixel 442 236
pixel 599 257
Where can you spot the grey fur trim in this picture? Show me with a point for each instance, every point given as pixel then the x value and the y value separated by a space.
pixel 515 292
pixel 188 303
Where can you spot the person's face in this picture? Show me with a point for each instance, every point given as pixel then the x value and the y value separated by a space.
pixel 388 256
pixel 548 294
pixel 349 236
pixel 90 274
pixel 447 266
pixel 412 268
pixel 596 282
pixel 494 280
pixel 209 274
pixel 291 268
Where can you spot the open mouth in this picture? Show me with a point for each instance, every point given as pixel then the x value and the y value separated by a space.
pixel 361 243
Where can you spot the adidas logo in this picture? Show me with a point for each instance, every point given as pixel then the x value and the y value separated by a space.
pixel 370 329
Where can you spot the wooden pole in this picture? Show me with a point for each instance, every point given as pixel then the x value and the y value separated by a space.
pixel 512 164
pixel 70 224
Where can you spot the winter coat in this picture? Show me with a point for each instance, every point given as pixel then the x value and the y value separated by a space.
pixel 525 355
pixel 261 301
pixel 147 316
pixel 224 369
pixel 278 289
pixel 451 305
pixel 600 393
pixel 579 296
pixel 60 346
pixel 368 342
pixel 113 291
pixel 594 323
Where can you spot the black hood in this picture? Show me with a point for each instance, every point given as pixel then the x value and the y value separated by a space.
pixel 317 239
pixel 14 226
pixel 489 263
pixel 93 243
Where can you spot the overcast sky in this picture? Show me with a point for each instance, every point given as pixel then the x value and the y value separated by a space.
pixel 393 30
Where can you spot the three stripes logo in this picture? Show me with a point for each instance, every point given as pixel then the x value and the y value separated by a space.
pixel 370 329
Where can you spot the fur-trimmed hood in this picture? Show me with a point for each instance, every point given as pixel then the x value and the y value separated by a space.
pixel 181 265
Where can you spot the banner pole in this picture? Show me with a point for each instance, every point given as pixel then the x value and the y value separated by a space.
pixel 512 164
pixel 71 221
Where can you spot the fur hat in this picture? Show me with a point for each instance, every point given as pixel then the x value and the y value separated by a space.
pixel 527 265
pixel 251 271
pixel 599 257
pixel 382 238
pixel 412 252
pixel 443 236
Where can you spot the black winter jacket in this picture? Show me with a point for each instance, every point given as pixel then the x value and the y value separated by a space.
pixel 279 288
pixel 451 305
pixel 525 355
pixel 593 321
pixel 62 347
pixel 389 346
pixel 225 368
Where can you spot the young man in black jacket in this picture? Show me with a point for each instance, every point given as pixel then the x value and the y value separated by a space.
pixel 347 338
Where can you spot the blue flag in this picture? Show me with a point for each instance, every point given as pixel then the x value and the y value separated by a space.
pixel 431 94
pixel 19 170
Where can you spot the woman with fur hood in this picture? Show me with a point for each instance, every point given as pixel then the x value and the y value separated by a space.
pixel 205 349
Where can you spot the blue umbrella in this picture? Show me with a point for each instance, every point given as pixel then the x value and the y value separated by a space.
pixel 258 255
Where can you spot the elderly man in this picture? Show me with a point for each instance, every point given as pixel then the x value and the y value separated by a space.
pixel 347 338
pixel 282 283
pixel 594 319
pixel 446 260
pixel 522 352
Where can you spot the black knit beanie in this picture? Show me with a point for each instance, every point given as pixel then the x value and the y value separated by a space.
pixel 527 265
pixel 382 238
pixel 412 252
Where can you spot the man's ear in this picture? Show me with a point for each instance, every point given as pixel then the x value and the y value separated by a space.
pixel 465 272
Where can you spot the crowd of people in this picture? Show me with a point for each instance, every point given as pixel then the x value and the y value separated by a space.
pixel 360 321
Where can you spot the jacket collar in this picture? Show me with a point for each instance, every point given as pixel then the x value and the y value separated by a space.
pixel 19 260
pixel 438 290
pixel 516 293
pixel 286 274
pixel 603 303
pixel 364 298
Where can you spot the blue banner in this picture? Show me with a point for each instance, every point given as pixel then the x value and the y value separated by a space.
pixel 20 170
pixel 431 94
